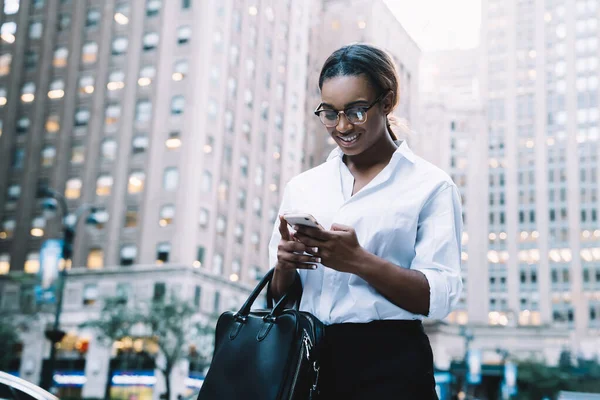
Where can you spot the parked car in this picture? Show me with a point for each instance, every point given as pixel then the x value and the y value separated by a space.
pixel 14 388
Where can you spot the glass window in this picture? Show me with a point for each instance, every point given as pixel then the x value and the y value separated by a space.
pixel 8 31
pixel 174 141
pixel 143 110
pixel 166 215
pixel 11 7
pixel 217 264
pixel 128 254
pixel 257 206
pixel 4 263
pixel 197 293
pixel 35 30
pixel 18 158
pixel 239 233
pixel 153 7
pixel 5 62
pixel 32 263
pixel 86 84
pixel 206 184
pixel 93 18
pixel 177 105
pixel 8 228
pixel 184 34
pixel 150 41
pixel 121 16
pixel 162 252
pixel 170 179
pixel 186 4
pixel 147 73
pixel 13 192
pixel 28 92
pixel 64 22
pixel 112 114
pixel 82 117
pixel 73 188
pixel 95 258
pixel 203 217
pixel 242 199
pixel 90 294
pixel 48 156
pixel 89 53
pixel 244 166
pixel 104 185
pixel 52 123
pixel 160 289
pixel 3 95
pixel 119 46
pixel 221 225
pixel 116 80
pixel 139 144
pixel 180 70
pixel 31 59
pixel 131 217
pixel 57 89
pixel 136 182
pixel 109 149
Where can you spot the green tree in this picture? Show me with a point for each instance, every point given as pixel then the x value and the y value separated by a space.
pixel 115 322
pixel 175 324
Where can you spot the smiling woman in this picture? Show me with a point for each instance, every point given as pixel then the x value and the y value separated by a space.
pixel 387 251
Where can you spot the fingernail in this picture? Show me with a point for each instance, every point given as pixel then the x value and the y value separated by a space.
pixel 313 267
pixel 317 259
pixel 315 250
pixel 295 227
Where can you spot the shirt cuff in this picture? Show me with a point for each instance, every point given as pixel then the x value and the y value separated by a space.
pixel 438 294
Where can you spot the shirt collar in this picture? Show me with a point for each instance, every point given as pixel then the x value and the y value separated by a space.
pixel 402 151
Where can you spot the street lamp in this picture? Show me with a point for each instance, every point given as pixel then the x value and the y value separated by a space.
pixel 52 202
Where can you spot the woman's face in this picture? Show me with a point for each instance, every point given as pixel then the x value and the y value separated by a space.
pixel 343 92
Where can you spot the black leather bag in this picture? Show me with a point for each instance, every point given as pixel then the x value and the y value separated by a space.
pixel 267 354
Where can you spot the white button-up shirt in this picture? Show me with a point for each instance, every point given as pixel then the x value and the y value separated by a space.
pixel 409 214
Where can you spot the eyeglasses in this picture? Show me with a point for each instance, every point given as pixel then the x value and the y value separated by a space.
pixel 356 115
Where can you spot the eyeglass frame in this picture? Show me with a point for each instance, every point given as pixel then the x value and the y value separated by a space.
pixel 318 111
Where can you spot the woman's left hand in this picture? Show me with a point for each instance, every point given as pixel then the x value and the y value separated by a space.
pixel 338 248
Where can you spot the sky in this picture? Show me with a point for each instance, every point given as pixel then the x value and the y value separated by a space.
pixel 440 24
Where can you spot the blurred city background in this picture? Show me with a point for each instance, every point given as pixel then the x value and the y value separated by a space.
pixel 144 145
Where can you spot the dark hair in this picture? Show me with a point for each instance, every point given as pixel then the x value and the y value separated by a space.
pixel 370 61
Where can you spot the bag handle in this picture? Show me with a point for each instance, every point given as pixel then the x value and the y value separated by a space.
pixel 242 314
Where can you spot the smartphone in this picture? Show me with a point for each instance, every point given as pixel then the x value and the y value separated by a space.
pixel 303 219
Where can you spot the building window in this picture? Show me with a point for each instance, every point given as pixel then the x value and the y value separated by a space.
pixel 93 18
pixel 77 154
pixel 3 95
pixel 89 53
pixel 162 252
pixel 217 264
pixel 64 22
pixel 122 292
pixel 128 254
pixel 147 74
pixel 112 114
pixel 8 31
pixel 35 30
pixel 131 217
pixel 153 7
pixel 57 89
pixel 121 16
pixel 257 205
pixel 139 144
pixel 180 70
pixel 109 149
pixel 11 7
pixel 13 193
pixel 143 111
pixel 177 105
pixel 166 215
pixel 8 228
pixel 95 258
pixel 242 199
pixel 174 141
pixel 203 217
pixel 150 41
pixel 73 188
pixel 206 184
pixel 18 158
pixel 104 185
pixel 184 34
pixel 23 125
pixel 119 46
pixel 136 181
pixel 90 294
pixel 197 293
pixel 116 80
pixel 86 85
pixel 200 255
pixel 186 4
pixel 31 59
pixel 28 92
pixel 4 263
pixel 244 166
pixel 170 179
pixel 48 156
pixel 221 225
pixel 82 117
pixel 239 233
pixel 32 263
pixel 160 290
pixel 5 62
pixel 37 226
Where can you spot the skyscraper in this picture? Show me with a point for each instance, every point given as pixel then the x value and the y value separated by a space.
pixel 180 120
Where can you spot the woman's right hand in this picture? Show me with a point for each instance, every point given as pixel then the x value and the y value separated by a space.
pixel 290 253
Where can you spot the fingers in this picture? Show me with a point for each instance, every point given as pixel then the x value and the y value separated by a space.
pixel 314 233
pixel 283 228
pixel 311 244
pixel 293 266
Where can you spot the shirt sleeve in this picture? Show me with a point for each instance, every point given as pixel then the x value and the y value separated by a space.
pixel 276 236
pixel 438 250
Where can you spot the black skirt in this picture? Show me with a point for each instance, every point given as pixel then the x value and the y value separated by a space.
pixel 379 360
